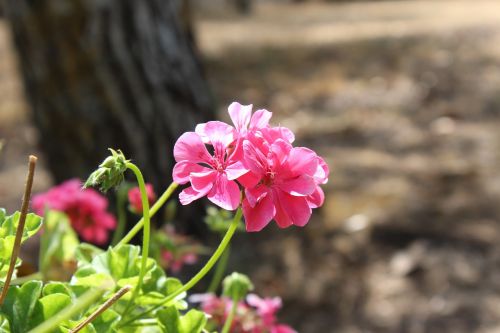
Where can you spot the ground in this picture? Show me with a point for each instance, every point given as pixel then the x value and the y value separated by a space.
pixel 403 101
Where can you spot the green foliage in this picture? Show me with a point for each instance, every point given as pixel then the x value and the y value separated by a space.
pixel 8 227
pixel 173 322
pixel 58 245
pixel 115 267
pixel 19 307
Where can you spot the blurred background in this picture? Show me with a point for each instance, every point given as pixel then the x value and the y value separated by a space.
pixel 401 98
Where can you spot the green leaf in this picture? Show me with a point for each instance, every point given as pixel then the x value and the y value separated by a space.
pixel 170 319
pixel 57 247
pixel 106 321
pixel 192 322
pixel 4 325
pixel 115 267
pixel 85 253
pixel 20 305
pixel 48 306
pixel 8 227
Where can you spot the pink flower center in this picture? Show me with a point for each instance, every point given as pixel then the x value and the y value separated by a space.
pixel 268 178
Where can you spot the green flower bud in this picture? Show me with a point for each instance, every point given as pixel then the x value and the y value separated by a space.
pixel 236 286
pixel 110 172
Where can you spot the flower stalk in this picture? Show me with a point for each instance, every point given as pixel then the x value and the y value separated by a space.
pixel 146 232
pixel 20 227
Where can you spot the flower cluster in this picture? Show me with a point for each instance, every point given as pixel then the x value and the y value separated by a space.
pixel 86 209
pixel 279 181
pixel 254 315
pixel 135 201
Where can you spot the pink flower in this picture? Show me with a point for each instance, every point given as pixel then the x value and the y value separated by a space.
pixel 86 209
pixel 282 329
pixel 210 175
pixel 284 183
pixel 134 198
pixel 280 182
pixel 175 263
pixel 266 307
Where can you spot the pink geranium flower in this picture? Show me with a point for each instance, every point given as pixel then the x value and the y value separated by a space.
pixel 283 186
pixel 134 198
pixel 210 175
pixel 86 209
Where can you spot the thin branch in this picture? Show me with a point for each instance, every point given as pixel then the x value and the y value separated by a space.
pixel 20 227
pixel 101 309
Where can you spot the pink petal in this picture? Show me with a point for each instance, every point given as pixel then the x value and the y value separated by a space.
pixel 235 170
pixel 260 119
pixel 249 180
pixel 189 195
pixel 256 194
pixel 200 130
pixel 240 115
pixel 203 181
pixel 254 158
pixel 256 218
pixel 272 134
pixel 300 186
pixel 316 199
pixel 322 172
pixel 219 133
pixel 183 169
pixel 189 147
pixel 291 210
pixel 302 161
pixel 225 193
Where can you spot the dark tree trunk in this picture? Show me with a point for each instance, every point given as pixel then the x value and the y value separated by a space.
pixel 109 73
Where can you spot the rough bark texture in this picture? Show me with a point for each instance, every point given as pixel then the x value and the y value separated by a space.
pixel 109 73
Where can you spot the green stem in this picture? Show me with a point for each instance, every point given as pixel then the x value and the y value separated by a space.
pixel 146 232
pixel 219 271
pixel 82 303
pixel 121 201
pixel 229 320
pixel 195 279
pixel 24 279
pixel 158 204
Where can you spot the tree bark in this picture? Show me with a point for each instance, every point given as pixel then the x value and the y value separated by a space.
pixel 109 73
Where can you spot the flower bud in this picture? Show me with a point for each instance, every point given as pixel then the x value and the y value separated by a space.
pixel 236 286
pixel 110 172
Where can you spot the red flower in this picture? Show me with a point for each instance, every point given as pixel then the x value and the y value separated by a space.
pixel 134 198
pixel 86 209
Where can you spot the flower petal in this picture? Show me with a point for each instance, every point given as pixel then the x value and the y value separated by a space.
pixel 190 147
pixel 225 193
pixel 256 218
pixel 236 170
pixel 291 210
pixel 203 181
pixel 316 199
pixel 240 115
pixel 260 119
pixel 302 161
pixel 183 169
pixel 255 160
pixel 249 180
pixel 300 186
pixel 189 195
pixel 256 194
